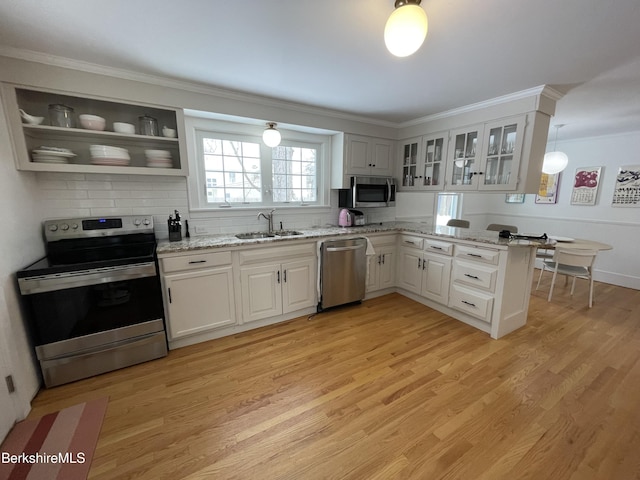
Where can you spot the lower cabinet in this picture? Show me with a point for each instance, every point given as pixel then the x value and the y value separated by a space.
pixel 275 289
pixel 198 297
pixel 425 273
pixel 381 268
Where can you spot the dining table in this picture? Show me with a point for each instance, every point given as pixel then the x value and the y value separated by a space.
pixel 576 243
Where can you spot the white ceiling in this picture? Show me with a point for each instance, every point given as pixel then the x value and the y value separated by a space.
pixel 331 53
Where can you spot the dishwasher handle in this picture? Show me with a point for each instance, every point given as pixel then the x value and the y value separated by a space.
pixel 344 249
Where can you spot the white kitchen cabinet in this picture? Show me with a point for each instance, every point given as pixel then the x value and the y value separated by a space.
pixel 424 272
pixel 423 162
pixel 359 155
pixel 382 268
pixel 273 288
pixel 486 157
pixel 198 293
pixel 77 139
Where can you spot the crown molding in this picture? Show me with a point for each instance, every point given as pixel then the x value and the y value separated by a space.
pixel 543 90
pixel 123 74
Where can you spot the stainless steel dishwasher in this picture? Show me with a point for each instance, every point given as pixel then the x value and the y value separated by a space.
pixel 343 272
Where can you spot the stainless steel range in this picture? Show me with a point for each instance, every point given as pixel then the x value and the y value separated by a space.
pixel 95 302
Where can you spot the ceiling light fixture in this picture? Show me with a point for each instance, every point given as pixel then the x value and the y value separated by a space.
pixel 406 28
pixel 554 162
pixel 271 137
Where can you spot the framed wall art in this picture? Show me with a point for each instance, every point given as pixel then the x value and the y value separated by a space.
pixel 514 198
pixel 585 185
pixel 548 191
pixel 626 192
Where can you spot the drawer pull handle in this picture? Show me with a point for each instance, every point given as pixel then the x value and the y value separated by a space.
pixel 471 276
pixel 468 303
pixel 197 261
pixel 410 242
pixel 474 255
pixel 436 248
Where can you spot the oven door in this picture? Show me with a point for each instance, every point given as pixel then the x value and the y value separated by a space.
pixel 76 304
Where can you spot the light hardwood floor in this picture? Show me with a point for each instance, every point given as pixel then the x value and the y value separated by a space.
pixel 389 389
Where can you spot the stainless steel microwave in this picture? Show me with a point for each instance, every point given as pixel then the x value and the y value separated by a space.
pixel 368 192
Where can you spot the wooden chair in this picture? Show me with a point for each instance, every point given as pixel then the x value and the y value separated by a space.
pixel 454 222
pixel 571 262
pixel 498 227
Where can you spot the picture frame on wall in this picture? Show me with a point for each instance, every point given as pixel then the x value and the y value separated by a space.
pixel 514 198
pixel 626 192
pixel 585 185
pixel 548 191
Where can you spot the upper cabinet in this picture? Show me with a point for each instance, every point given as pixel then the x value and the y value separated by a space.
pixel 361 155
pixel 423 162
pixel 154 147
pixel 487 156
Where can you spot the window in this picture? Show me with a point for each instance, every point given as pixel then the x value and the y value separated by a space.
pixel 448 206
pixel 238 170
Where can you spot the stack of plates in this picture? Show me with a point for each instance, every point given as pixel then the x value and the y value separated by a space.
pixel 107 155
pixel 52 155
pixel 159 158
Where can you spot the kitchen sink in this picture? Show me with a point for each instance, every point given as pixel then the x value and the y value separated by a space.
pixel 287 233
pixel 251 235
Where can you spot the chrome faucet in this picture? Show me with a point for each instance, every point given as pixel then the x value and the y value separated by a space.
pixel 269 218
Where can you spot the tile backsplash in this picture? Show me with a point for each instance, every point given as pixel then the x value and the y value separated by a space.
pixel 68 195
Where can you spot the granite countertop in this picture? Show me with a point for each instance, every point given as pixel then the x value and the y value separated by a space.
pixel 229 240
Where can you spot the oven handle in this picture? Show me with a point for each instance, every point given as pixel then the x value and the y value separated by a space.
pixel 94 276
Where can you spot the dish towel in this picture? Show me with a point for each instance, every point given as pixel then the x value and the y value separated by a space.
pixel 369 253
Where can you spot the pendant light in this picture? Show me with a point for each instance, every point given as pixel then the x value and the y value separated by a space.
pixel 554 162
pixel 406 28
pixel 271 137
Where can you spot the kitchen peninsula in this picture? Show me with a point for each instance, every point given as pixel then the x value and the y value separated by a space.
pixel 219 285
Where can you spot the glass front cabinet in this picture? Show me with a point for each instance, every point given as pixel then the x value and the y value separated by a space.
pixel 486 157
pixel 423 162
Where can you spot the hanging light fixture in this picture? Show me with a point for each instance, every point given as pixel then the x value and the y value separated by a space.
pixel 271 137
pixel 555 162
pixel 406 28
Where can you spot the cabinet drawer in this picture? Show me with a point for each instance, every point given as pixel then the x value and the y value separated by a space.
pixel 192 262
pixel 411 241
pixel 438 247
pixel 478 254
pixel 474 303
pixel 276 254
pixel 475 274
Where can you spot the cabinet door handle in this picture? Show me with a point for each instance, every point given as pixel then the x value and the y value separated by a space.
pixel 278 276
pixel 471 276
pixel 379 259
pixel 383 257
pixel 419 263
pixel 284 274
pixel 169 292
pixel 468 303
pixel 424 264
pixel 197 261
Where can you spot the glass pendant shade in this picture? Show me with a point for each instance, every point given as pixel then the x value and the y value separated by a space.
pixel 271 137
pixel 406 29
pixel 554 162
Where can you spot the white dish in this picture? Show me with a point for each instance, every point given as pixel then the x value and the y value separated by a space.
pixel 122 127
pixel 54 153
pixel 561 239
pixel 119 162
pixel 158 153
pixel 92 122
pixel 49 159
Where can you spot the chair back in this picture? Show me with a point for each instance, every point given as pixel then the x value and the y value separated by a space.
pixel 498 227
pixel 454 222
pixel 575 257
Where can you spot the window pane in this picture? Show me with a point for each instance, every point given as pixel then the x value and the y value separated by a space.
pixel 447 207
pixel 294 174
pixel 213 162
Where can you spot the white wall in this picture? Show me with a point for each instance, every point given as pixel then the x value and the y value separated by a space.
pixel 616 226
pixel 21 245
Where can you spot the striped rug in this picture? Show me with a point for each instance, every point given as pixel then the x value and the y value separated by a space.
pixel 57 446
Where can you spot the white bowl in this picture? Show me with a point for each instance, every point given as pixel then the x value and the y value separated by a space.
pixel 157 153
pixel 107 151
pixel 168 132
pixel 121 127
pixel 92 122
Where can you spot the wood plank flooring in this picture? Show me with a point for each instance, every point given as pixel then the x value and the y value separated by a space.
pixel 389 389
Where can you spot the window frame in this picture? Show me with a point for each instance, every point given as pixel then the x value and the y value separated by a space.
pixel 198 128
